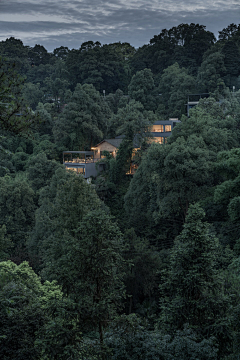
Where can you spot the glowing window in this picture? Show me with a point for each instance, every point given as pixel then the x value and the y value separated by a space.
pixel 159 140
pixel 157 128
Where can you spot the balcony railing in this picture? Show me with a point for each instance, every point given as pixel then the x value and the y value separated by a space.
pixel 79 157
pixel 80 161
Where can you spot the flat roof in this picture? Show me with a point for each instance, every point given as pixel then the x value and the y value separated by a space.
pixel 79 152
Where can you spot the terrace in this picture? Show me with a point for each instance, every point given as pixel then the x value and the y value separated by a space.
pixel 79 157
pixel 81 162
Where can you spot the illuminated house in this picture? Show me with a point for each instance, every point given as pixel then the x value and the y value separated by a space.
pixel 84 162
pixel 81 162
pixel 161 130
pixel 110 145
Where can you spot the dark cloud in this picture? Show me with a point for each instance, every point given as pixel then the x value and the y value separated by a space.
pixel 71 22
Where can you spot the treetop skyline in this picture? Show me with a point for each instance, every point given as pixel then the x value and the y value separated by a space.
pixel 70 23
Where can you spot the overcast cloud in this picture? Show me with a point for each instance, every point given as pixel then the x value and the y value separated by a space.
pixel 54 23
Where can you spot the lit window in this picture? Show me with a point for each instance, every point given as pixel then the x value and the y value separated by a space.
pixel 81 171
pixel 157 128
pixel 167 128
pixel 159 140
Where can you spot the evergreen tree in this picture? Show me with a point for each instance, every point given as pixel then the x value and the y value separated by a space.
pixel 175 84
pixel 211 72
pixel 192 287
pixel 17 207
pixel 84 120
pixel 143 89
pixel 37 322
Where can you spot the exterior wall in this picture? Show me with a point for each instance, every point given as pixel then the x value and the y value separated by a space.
pixel 90 170
pixel 162 129
pixel 87 170
pixel 105 146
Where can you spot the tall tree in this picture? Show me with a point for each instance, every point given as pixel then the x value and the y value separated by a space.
pixel 81 248
pixel 39 55
pixel 229 32
pixel 15 116
pixel 211 72
pixel 17 207
pixel 84 120
pixel 143 89
pixel 192 290
pixel 175 84
pixel 231 54
pixel 104 66
pixel 37 322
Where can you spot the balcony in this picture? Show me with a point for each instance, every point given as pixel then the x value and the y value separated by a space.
pixel 81 162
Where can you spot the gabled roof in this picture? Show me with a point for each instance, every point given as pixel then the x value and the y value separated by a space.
pixel 114 142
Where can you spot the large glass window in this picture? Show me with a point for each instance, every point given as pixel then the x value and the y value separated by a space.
pixel 157 128
pixel 78 170
pixel 81 171
pixel 168 128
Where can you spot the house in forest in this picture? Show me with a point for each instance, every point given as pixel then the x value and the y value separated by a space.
pixel 81 162
pixel 161 130
pixel 84 162
pixel 110 145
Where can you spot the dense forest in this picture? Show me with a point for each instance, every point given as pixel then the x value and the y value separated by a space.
pixel 143 266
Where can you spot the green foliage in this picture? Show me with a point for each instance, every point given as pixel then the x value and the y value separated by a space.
pixel 142 276
pixel 84 120
pixel 104 66
pixel 57 84
pixel 87 262
pixel 226 194
pixel 192 288
pixel 175 84
pixel 44 145
pixel 37 322
pixel 19 160
pixel 211 72
pixel 232 275
pixel 40 170
pixel 98 263
pixel 33 94
pixel 75 239
pixel 184 44
pixel 129 338
pixel 21 315
pixel 185 177
pixel 63 203
pixel 168 179
pixel 38 55
pixel 132 120
pixel 17 209
pixel 214 122
pixel 45 112
pixel 14 114
pixel 142 89
pixel 229 33
pixel 5 244
pixel 116 101
pixel 140 201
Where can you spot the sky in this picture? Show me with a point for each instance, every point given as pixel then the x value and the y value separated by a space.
pixel 55 23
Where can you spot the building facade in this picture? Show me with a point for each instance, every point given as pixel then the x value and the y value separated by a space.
pixel 84 162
